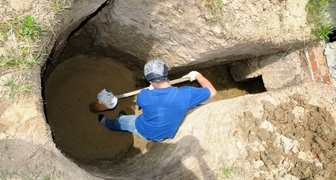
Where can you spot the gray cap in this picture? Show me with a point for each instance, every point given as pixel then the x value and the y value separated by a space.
pixel 156 70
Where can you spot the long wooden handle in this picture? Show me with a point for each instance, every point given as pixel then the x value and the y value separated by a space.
pixel 132 93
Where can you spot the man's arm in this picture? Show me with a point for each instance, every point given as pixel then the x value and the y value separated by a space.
pixel 204 82
pixel 194 75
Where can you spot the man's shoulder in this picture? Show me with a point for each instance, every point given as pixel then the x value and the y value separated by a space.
pixel 185 87
pixel 189 87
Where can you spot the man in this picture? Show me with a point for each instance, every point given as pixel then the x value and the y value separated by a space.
pixel 163 106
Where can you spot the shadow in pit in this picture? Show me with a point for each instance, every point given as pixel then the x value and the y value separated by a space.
pixel 163 160
pixel 186 153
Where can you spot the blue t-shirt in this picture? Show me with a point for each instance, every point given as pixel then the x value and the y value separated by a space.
pixel 163 109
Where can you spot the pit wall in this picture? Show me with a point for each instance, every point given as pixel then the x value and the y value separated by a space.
pixel 182 32
pixel 293 67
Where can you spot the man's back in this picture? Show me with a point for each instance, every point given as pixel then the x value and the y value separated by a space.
pixel 164 109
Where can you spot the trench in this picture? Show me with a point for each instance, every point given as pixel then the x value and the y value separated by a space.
pixel 72 84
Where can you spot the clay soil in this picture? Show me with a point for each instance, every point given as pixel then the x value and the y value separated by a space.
pixel 314 129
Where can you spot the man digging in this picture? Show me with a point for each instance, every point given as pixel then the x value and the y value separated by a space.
pixel 163 106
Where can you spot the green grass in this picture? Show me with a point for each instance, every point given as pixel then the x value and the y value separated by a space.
pixel 2 175
pixel 20 35
pixel 282 14
pixel 322 32
pixel 228 172
pixel 29 27
pixel 57 6
pixel 216 8
pixel 20 57
pixel 23 29
pixel 233 171
pixel 6 145
pixel 215 5
pixel 20 44
pixel 322 26
pixel 16 87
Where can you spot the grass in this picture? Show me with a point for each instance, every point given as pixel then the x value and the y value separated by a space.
pixel 2 175
pixel 6 145
pixel 20 43
pixel 19 37
pixel 216 8
pixel 21 28
pixel 57 6
pixel 215 5
pixel 17 88
pixel 316 16
pixel 282 14
pixel 228 172
pixel 19 34
pixel 29 27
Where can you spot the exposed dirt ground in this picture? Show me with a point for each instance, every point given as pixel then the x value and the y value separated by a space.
pixel 297 121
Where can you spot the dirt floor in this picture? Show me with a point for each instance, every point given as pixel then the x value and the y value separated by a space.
pixel 69 91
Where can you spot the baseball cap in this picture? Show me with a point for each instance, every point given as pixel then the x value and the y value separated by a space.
pixel 156 70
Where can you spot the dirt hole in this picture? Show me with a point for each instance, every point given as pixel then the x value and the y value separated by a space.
pixel 71 84
pixel 332 36
pixel 74 84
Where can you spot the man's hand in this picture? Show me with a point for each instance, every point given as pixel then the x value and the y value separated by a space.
pixel 202 81
pixel 191 75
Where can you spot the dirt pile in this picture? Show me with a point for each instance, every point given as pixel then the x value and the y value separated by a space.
pixel 300 138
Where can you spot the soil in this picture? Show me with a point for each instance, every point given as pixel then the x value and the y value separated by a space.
pixel 310 126
pixel 69 90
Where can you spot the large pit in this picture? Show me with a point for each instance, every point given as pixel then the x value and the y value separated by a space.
pixel 71 84
pixel 287 132
pixel 81 69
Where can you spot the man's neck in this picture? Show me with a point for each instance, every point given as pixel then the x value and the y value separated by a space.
pixel 163 84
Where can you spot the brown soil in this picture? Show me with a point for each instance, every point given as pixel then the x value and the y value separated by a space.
pixel 313 127
pixel 69 90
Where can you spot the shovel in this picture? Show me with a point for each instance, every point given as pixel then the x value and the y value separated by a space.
pixel 110 101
